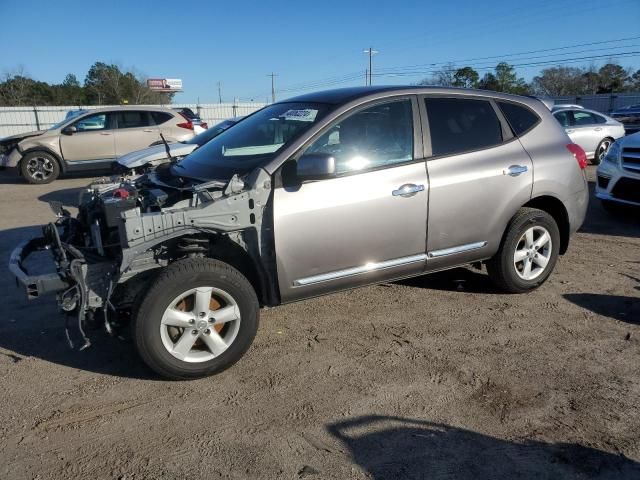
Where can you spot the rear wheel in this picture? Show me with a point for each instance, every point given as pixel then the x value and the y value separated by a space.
pixel 39 167
pixel 528 252
pixel 199 318
pixel 601 151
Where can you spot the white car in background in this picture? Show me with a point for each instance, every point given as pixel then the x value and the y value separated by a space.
pixel 618 176
pixel 593 131
pixel 157 154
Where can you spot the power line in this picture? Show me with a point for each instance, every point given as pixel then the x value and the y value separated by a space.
pixel 522 53
pixel 529 64
pixel 406 70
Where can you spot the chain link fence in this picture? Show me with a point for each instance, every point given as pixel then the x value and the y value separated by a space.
pixel 16 120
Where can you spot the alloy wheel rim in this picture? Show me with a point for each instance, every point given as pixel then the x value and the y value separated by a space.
pixel 200 324
pixel 40 168
pixel 604 146
pixel 532 253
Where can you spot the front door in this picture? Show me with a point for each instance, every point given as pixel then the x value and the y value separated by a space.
pixel 136 130
pixel 367 224
pixel 91 143
pixel 479 176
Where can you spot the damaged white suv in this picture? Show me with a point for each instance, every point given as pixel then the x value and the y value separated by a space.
pixel 309 196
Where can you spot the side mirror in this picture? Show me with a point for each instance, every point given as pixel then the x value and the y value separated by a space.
pixel 69 130
pixel 316 166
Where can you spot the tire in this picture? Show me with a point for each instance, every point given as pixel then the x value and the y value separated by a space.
pixel 601 150
pixel 510 274
pixel 39 168
pixel 160 334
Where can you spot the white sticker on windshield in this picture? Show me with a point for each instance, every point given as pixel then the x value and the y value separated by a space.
pixel 304 115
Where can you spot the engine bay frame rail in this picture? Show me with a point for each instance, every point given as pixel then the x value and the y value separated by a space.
pixel 35 285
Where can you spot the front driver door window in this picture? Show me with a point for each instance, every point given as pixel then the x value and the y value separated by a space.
pixel 92 142
pixel 357 227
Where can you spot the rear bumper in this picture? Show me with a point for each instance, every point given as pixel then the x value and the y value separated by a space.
pixel 35 285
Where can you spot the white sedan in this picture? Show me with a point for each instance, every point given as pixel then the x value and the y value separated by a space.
pixel 593 131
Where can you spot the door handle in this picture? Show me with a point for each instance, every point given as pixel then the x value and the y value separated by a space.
pixel 407 190
pixel 570 130
pixel 597 129
pixel 147 130
pixel 105 133
pixel 515 170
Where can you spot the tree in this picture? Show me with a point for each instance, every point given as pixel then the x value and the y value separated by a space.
pixel 508 81
pixel 489 82
pixel 559 81
pixel 635 81
pixel 613 78
pixel 466 77
pixel 442 78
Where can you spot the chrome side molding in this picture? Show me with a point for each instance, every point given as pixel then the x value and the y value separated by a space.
pixel 459 249
pixel 349 272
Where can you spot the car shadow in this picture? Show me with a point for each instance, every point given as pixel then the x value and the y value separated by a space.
pixel 36 328
pixel 403 448
pixel 625 309
pixel 69 197
pixel 462 279
pixel 624 222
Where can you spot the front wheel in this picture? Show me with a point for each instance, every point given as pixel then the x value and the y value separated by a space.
pixel 528 252
pixel 199 318
pixel 39 168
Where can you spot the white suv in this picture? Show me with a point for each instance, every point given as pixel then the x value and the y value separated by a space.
pixel 619 173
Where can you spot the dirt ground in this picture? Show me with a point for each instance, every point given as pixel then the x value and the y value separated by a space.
pixel 436 377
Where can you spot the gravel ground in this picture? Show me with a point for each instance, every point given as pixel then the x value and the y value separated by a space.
pixel 435 377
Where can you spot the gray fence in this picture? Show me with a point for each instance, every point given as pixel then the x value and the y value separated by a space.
pixel 604 102
pixel 14 120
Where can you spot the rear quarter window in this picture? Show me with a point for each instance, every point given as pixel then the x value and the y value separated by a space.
pixel 161 117
pixel 520 118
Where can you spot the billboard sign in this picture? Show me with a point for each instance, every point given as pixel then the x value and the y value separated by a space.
pixel 165 84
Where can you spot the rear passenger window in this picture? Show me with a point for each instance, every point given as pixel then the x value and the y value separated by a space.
pixel 460 125
pixel 133 119
pixel 520 118
pixel 160 117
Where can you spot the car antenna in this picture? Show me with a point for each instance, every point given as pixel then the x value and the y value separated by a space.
pixel 167 149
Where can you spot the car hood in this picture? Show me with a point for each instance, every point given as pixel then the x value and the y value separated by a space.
pixel 155 154
pixel 632 140
pixel 21 136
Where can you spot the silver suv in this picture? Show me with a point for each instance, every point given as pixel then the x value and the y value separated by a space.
pixel 309 196
pixel 91 141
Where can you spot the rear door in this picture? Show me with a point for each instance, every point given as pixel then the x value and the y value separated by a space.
pixel 368 223
pixel 135 130
pixel 479 175
pixel 92 143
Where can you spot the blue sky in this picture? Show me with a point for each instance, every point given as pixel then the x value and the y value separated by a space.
pixel 307 44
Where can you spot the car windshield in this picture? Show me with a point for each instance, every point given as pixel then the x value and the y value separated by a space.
pixel 252 143
pixel 210 133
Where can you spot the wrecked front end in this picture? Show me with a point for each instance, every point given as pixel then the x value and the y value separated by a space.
pixel 126 230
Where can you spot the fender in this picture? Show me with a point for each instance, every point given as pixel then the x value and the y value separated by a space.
pixel 59 159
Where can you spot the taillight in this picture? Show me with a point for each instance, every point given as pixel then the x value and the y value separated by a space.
pixel 579 154
pixel 204 125
pixel 188 125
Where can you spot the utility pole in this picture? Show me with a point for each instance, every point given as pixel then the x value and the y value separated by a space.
pixel 219 92
pixel 366 76
pixel 273 87
pixel 371 53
